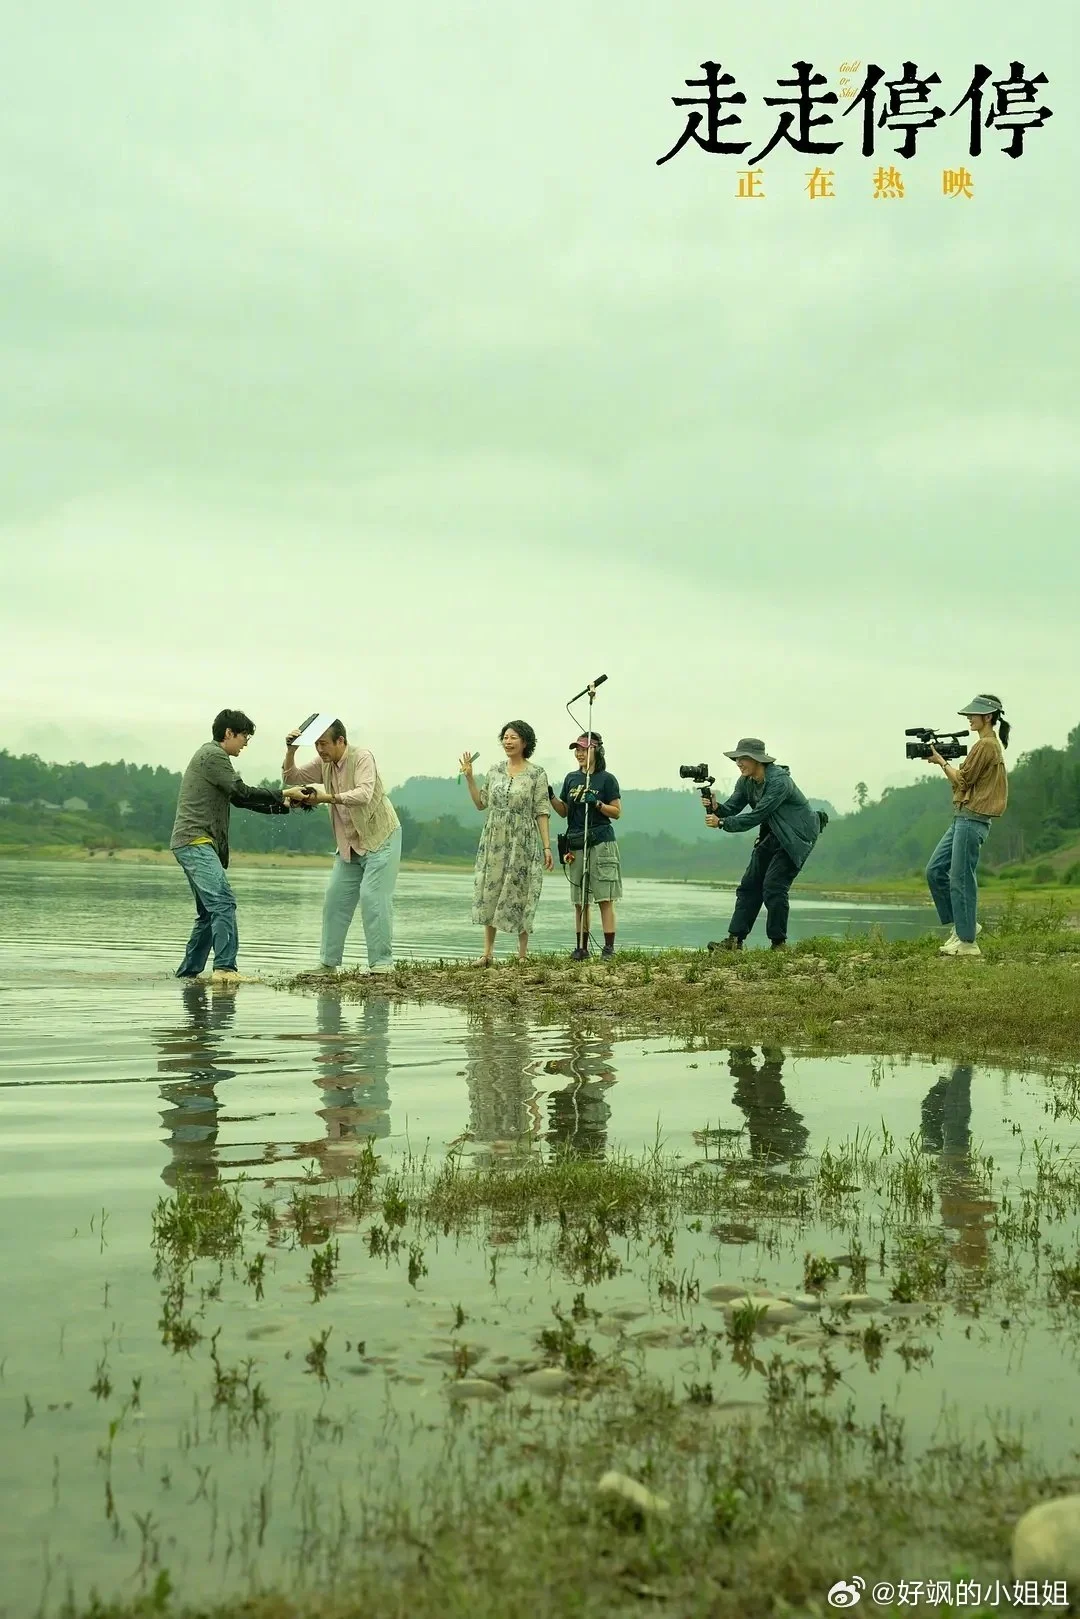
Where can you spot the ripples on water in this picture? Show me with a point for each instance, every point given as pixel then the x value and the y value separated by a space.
pixel 116 1081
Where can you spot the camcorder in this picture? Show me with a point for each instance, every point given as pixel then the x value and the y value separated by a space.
pixel 947 743
pixel 699 774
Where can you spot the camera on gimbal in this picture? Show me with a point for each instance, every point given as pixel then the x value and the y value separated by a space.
pixel 699 774
pixel 947 743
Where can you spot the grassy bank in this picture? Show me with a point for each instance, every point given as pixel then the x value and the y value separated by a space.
pixel 1018 1002
pixel 994 894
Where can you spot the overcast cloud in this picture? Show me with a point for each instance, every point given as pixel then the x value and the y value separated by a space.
pixel 369 362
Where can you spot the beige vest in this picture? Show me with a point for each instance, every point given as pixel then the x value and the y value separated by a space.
pixel 374 821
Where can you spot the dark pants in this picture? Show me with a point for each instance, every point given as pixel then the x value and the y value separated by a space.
pixel 766 881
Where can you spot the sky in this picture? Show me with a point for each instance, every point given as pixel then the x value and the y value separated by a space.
pixel 364 359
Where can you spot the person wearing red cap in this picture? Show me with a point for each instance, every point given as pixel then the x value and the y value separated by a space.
pixel 591 792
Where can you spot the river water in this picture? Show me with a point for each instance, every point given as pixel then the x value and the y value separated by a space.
pixel 115 915
pixel 117 1084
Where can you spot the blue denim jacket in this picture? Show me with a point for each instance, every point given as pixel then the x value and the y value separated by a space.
pixel 776 800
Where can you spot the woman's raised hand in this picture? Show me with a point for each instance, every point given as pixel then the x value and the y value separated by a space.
pixel 465 765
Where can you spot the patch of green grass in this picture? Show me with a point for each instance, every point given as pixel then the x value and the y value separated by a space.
pixel 1018 1002
pixel 198 1222
pixel 763 1517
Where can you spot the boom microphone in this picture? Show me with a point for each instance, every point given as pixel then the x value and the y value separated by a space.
pixel 599 681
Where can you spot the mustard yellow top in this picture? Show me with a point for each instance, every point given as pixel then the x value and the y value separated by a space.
pixel 983 788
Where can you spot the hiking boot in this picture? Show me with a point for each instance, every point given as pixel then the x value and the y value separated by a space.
pixel 778 944
pixel 579 954
pixel 608 950
pixel 732 942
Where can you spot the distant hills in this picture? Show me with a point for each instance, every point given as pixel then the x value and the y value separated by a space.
pixel 654 812
pixel 662 832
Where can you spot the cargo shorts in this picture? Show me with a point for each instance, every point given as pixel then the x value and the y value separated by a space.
pixel 605 872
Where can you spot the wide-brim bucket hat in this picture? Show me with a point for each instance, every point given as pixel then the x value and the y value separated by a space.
pixel 751 747
pixel 983 704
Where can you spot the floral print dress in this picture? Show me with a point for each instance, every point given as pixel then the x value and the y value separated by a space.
pixel 510 859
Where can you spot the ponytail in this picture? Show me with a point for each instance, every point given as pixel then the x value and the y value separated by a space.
pixel 998 717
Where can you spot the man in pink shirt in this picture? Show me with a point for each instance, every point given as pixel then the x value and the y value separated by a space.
pixel 368 837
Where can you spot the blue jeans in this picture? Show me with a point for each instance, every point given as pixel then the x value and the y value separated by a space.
pixel 369 878
pixel 215 906
pixel 951 874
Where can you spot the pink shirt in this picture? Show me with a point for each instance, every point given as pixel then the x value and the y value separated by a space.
pixel 356 791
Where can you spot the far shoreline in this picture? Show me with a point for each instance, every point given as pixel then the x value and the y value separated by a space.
pixel 77 854
pixel 903 891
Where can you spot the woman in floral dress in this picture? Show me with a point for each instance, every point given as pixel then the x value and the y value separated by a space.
pixel 515 845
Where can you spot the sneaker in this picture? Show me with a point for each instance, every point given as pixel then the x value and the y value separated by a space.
pixel 778 944
pixel 957 947
pixel 954 937
pixel 225 975
pixel 608 950
pixel 325 967
pixel 579 954
pixel 732 942
pixel 381 970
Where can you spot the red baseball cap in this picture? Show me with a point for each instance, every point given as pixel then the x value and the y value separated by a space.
pixel 595 741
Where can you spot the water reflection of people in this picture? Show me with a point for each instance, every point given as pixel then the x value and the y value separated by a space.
pixel 503 1107
pixel 966 1207
pixel 195 1051
pixel 777 1131
pixel 578 1112
pixel 353 1078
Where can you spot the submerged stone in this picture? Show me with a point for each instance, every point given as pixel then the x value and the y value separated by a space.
pixel 548 1380
pixel 473 1388
pixel 722 1291
pixel 771 1312
pixel 456 1354
pixel 857 1301
pixel 662 1337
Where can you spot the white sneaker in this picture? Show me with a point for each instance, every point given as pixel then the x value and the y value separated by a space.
pixel 954 939
pixel 381 970
pixel 324 967
pixel 960 947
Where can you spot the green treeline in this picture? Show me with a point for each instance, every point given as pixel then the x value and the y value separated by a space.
pixel 125 805
pixel 132 806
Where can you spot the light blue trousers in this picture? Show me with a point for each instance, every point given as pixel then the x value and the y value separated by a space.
pixel 950 874
pixel 369 879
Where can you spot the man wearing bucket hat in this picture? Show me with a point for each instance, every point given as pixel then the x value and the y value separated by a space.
pixel 765 796
pixel 980 790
